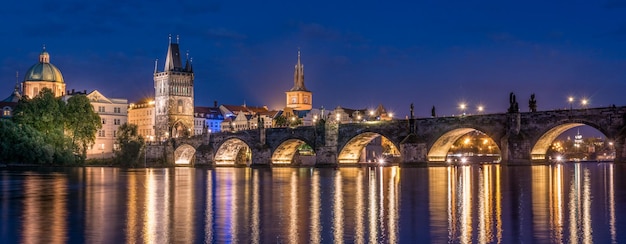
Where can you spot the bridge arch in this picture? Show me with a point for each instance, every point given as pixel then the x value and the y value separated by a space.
pixel 284 153
pixel 233 152
pixel 351 152
pixel 438 152
pixel 184 154
pixel 543 143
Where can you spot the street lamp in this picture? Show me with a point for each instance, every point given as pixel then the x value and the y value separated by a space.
pixel 462 106
pixel 571 101
pixel 584 102
pixel 480 108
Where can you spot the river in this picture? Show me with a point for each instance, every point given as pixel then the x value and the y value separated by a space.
pixel 569 203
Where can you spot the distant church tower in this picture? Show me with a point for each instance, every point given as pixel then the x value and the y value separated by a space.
pixel 299 98
pixel 173 95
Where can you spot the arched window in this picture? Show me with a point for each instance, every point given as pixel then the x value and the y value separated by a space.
pixel 180 106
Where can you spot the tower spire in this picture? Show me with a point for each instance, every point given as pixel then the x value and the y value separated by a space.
pixel 172 60
pixel 17 80
pixel 156 61
pixel 298 76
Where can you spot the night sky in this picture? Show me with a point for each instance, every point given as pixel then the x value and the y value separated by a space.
pixel 356 54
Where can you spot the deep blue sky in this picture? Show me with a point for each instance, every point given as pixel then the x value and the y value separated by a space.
pixel 356 53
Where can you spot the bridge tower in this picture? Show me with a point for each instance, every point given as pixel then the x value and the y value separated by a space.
pixel 173 95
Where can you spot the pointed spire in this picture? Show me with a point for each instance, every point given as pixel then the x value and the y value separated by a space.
pixel 156 61
pixel 298 76
pixel 177 39
pixel 169 39
pixel 187 63
pixel 17 80
pixel 172 60
pixel 298 55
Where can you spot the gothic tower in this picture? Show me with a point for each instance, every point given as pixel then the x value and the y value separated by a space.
pixel 173 95
pixel 299 98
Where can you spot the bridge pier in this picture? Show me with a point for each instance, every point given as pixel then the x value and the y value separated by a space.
pixel 326 154
pixel 413 151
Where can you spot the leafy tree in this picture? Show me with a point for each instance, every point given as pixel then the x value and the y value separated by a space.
pixel 130 144
pixel 81 124
pixel 23 144
pixel 44 113
pixel 281 121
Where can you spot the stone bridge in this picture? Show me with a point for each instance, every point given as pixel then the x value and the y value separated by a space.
pixel 523 138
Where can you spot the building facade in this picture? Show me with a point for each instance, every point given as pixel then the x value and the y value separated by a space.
pixel 113 113
pixel 174 96
pixel 43 75
pixel 298 97
pixel 142 114
pixel 207 120
pixel 244 117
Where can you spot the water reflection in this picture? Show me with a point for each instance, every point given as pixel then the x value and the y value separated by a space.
pixel 458 204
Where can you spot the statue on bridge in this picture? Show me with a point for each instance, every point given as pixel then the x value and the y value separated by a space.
pixel 432 112
pixel 513 106
pixel 532 103
pixel 412 115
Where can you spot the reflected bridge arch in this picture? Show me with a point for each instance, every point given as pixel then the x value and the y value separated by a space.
pixel 351 152
pixel 233 152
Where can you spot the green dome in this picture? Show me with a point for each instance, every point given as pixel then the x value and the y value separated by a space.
pixel 44 70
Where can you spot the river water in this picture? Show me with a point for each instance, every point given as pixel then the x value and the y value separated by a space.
pixel 459 204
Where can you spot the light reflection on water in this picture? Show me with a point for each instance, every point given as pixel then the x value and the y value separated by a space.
pixel 459 204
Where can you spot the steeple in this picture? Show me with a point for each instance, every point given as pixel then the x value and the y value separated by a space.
pixel 188 66
pixel 298 76
pixel 172 60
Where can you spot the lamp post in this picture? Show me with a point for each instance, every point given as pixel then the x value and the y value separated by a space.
pixel 584 102
pixel 571 101
pixel 462 106
pixel 480 109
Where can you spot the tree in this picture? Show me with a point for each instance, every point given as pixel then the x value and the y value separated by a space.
pixel 281 121
pixel 23 144
pixel 44 113
pixel 81 124
pixel 130 144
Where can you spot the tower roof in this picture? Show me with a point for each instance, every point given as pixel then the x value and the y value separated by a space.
pixel 298 76
pixel 173 61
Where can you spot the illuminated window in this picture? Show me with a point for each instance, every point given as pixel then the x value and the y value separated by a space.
pixel 293 99
pixel 180 106
pixel 6 112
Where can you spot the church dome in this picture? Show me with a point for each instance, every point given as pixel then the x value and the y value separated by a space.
pixel 44 70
